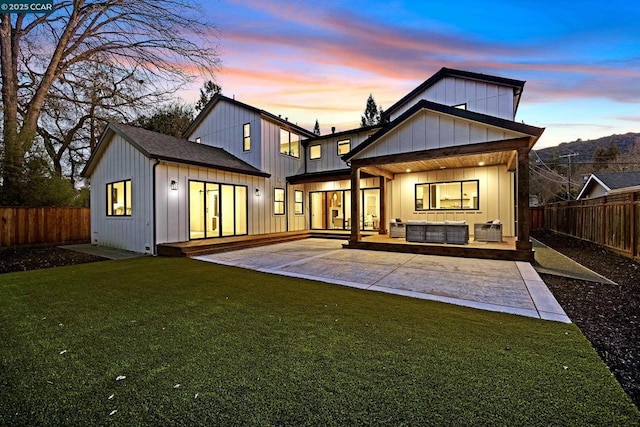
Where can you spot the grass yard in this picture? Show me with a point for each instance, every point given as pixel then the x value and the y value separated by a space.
pixel 201 344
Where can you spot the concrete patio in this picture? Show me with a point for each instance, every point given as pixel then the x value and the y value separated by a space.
pixel 503 286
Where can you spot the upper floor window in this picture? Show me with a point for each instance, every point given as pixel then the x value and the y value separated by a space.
pixel 278 201
pixel 315 151
pixel 344 146
pixel 289 143
pixel 454 195
pixel 246 137
pixel 119 198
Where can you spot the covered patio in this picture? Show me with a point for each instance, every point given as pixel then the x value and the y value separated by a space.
pixel 490 153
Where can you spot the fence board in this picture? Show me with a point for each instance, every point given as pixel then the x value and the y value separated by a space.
pixel 610 221
pixel 24 226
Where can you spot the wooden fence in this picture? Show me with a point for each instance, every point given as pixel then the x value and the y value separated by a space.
pixel 28 226
pixel 611 221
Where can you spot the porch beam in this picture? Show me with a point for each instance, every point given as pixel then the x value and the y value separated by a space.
pixel 453 151
pixel 376 171
pixel 355 205
pixel 511 163
pixel 524 221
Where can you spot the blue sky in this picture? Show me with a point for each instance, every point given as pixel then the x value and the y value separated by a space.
pixel 320 60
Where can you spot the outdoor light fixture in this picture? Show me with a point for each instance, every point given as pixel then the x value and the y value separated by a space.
pixel 258 192
pixel 174 184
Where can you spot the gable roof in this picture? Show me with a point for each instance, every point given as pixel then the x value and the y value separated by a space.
pixel 444 72
pixel 533 131
pixel 155 145
pixel 219 97
pixel 611 181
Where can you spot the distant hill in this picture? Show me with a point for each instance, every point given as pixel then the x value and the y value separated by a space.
pixel 585 149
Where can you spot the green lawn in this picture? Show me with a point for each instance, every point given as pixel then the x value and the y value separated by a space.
pixel 201 344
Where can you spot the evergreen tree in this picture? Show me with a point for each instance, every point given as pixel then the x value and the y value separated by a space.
pixel 603 156
pixel 372 115
pixel 208 91
pixel 316 128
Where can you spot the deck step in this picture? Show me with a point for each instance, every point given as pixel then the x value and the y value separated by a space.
pixel 212 246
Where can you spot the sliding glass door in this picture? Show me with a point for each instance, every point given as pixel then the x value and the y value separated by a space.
pixel 331 210
pixel 217 210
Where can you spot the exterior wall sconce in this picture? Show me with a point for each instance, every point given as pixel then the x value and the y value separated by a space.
pixel 174 184
pixel 258 192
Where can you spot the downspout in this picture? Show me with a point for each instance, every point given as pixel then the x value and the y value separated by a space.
pixel 153 202
pixel 287 211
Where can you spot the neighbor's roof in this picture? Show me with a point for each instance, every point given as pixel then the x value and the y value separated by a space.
pixel 611 181
pixel 219 97
pixel 533 131
pixel 615 180
pixel 155 145
pixel 444 72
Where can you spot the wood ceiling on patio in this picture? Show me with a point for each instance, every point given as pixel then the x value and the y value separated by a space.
pixel 474 160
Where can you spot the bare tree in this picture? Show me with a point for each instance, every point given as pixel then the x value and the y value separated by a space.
pixel 43 59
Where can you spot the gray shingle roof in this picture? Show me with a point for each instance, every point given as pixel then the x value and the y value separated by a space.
pixel 159 146
pixel 615 180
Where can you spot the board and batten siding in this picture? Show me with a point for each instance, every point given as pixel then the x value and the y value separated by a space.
pixel 480 97
pixel 280 166
pixel 330 160
pixel 496 196
pixel 172 214
pixel 428 130
pixel 223 127
pixel 121 161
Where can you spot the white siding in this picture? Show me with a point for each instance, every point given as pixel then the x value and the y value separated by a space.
pixel 172 214
pixel 121 161
pixel 223 127
pixel 496 200
pixel 480 97
pixel 428 130
pixel 330 159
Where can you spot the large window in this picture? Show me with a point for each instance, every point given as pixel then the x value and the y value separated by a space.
pixel 246 137
pixel 217 210
pixel 289 143
pixel 298 202
pixel 453 195
pixel 278 201
pixel 344 146
pixel 315 151
pixel 119 198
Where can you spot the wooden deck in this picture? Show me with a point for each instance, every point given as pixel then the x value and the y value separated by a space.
pixel 370 241
pixel 505 250
pixel 223 244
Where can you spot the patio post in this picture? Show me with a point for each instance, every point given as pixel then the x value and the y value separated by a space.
pixel 524 221
pixel 382 226
pixel 355 204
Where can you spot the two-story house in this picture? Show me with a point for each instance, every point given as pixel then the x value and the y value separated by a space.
pixel 449 150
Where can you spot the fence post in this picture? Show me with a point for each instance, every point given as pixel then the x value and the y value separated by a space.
pixel 633 225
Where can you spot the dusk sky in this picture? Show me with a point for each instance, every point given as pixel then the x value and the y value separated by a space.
pixel 321 60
